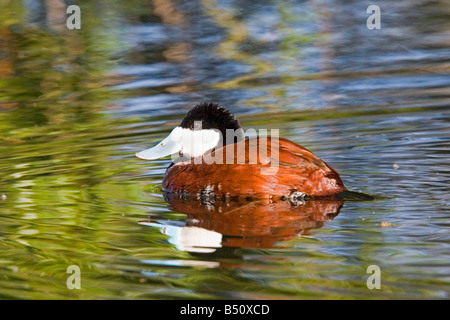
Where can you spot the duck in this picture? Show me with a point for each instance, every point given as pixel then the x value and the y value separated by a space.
pixel 214 158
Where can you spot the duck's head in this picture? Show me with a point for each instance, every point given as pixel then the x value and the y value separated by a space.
pixel 205 127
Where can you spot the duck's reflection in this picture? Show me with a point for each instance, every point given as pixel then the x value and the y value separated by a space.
pixel 257 224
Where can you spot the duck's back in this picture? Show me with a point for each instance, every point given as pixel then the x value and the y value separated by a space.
pixel 247 172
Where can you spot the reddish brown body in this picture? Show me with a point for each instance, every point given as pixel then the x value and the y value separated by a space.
pixel 298 170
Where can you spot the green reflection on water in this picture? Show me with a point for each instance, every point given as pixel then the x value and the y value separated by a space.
pixel 72 192
pixel 53 89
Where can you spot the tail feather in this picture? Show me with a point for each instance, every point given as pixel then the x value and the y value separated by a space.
pixel 354 196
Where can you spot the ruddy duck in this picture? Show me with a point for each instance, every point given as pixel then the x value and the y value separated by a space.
pixel 210 131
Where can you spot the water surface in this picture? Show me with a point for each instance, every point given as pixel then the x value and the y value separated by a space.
pixel 75 105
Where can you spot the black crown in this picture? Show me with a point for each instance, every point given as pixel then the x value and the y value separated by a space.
pixel 212 116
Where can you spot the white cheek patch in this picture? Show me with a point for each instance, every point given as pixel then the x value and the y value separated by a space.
pixel 197 142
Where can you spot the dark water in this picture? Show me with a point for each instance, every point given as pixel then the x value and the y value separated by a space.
pixel 75 105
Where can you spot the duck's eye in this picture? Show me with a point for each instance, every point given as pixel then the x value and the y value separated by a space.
pixel 197 125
